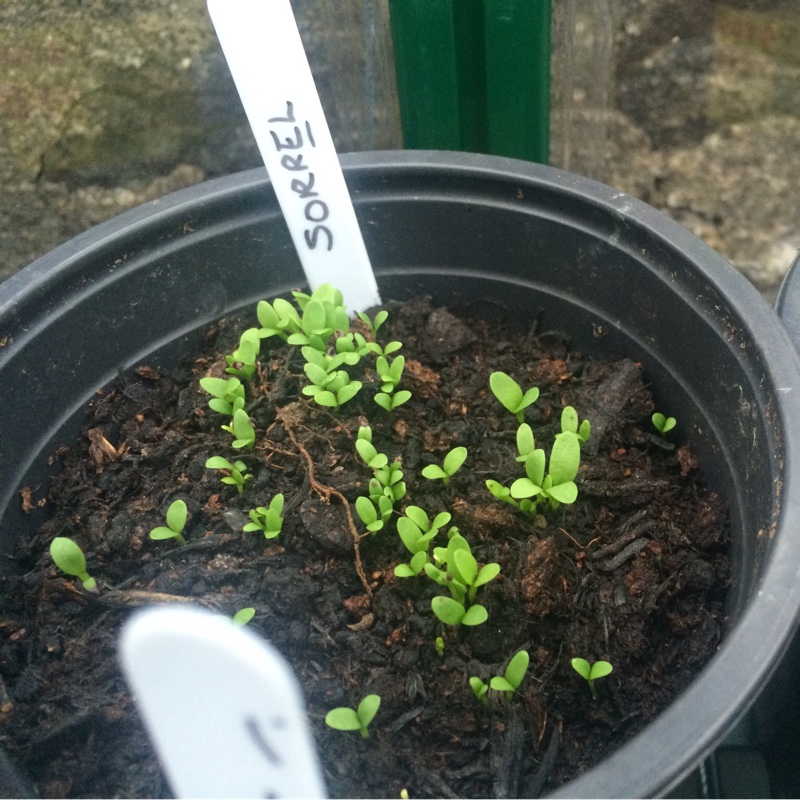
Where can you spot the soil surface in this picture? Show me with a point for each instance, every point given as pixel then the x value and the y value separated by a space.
pixel 635 571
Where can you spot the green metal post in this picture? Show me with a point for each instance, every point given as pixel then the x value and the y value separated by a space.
pixel 518 78
pixel 427 76
pixel 474 75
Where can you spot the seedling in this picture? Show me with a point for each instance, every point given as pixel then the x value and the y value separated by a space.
pixel 330 389
pixel 388 481
pixel 278 319
pixel 389 374
pixel 390 402
pixel 243 616
pixel 346 719
pixel 510 394
pixel 69 558
pixel 663 424
pixel 267 519
pixel 479 688
pixel 417 532
pixel 559 483
pixel 460 573
pixel 515 671
pixel 242 362
pixel 323 312
pixel 439 645
pixel 374 325
pixel 176 521
pixel 451 612
pixel 591 672
pixel 242 430
pixel 451 464
pixel 235 472
pixel 569 424
pixel 374 515
pixel 368 452
pixel 228 395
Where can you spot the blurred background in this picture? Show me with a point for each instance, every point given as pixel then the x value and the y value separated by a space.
pixel 690 105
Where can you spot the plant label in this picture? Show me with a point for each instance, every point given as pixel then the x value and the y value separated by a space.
pixel 266 58
pixel 223 709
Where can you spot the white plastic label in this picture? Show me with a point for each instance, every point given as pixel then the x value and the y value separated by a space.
pixel 269 67
pixel 222 708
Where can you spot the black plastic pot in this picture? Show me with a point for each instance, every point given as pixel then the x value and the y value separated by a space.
pixel 615 274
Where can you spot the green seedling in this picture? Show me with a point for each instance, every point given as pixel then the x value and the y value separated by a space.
pixel 69 558
pixel 663 424
pixel 235 474
pixel 451 464
pixel 451 612
pixel 388 481
pixel 228 395
pixel 242 362
pixel 390 374
pixel 374 325
pixel 329 389
pixel 368 452
pixel 277 319
pixel 439 646
pixel 242 430
pixel 176 521
pixel 390 402
pixel 510 394
pixel 479 688
pixel 346 719
pixel 374 515
pixel 417 532
pixel 591 672
pixel 515 671
pixel 459 573
pixel 322 313
pixel 243 616
pixel 267 519
pixel 569 424
pixel 558 485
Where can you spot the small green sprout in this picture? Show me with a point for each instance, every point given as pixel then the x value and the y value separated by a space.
pixel 510 394
pixel 235 472
pixel 591 672
pixel 374 515
pixel 242 362
pixel 268 519
pixel 451 464
pixel 243 616
pixel 374 325
pixel 176 521
pixel 569 424
pixel 558 485
pixel 663 424
pixel 69 558
pixel 277 319
pixel 389 374
pixel 515 672
pixel 330 389
pixel 451 612
pixel 417 532
pixel 389 402
pixel 460 576
pixel 439 646
pixel 368 452
pixel 227 395
pixel 479 688
pixel 346 719
pixel 388 481
pixel 242 430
